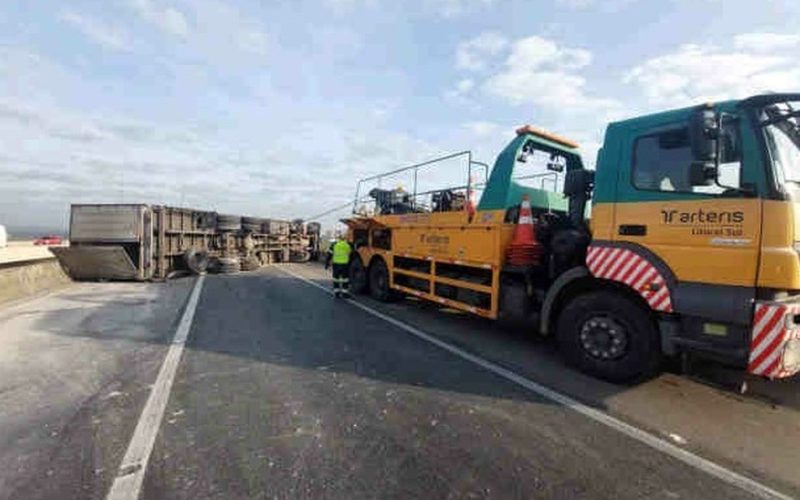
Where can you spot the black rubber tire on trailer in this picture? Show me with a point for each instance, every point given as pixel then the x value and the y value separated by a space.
pixel 609 336
pixel 229 222
pixel 358 276
pixel 250 264
pixel 379 281
pixel 196 260
pixel 228 265
pixel 300 257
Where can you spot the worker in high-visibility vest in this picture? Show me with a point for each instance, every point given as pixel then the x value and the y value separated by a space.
pixel 339 256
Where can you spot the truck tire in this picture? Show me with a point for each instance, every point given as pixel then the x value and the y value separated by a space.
pixel 196 260
pixel 250 264
pixel 229 222
pixel 300 256
pixel 609 336
pixel 379 281
pixel 226 265
pixel 358 276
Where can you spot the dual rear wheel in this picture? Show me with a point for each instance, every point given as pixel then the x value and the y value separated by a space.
pixel 373 280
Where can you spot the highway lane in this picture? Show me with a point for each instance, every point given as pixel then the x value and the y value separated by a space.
pixel 757 433
pixel 285 392
pixel 75 370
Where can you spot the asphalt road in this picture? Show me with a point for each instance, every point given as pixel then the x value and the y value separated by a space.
pixel 285 392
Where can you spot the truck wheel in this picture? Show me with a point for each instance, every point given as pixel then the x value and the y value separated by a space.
pixel 609 336
pixel 379 281
pixel 358 276
pixel 196 260
pixel 227 265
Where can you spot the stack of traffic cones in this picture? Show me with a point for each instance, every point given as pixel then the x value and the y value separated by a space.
pixel 524 250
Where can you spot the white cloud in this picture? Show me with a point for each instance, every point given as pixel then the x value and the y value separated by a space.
pixel 766 42
pixel 482 128
pixel 226 36
pixel 441 8
pixel 697 73
pixel 464 86
pixel 100 33
pixel 541 72
pixel 254 41
pixel 473 54
pixel 342 5
pixel 453 8
pixel 53 153
pixel 461 92
pixel 605 5
pixel 576 4
pixel 167 19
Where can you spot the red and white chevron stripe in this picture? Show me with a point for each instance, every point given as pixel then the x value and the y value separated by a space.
pixel 771 333
pixel 626 266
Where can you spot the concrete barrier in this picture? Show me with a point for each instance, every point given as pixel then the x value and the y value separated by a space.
pixel 18 251
pixel 24 279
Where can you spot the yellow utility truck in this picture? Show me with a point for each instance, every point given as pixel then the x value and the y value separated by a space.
pixel 690 245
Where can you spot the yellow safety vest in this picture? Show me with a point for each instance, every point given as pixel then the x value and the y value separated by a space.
pixel 341 252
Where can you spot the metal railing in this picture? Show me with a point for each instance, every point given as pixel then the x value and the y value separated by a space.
pixel 544 176
pixel 414 195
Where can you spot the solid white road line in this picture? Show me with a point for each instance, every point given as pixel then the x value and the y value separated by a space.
pixel 128 482
pixel 734 478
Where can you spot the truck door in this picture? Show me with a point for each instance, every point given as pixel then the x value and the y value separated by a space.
pixel 706 237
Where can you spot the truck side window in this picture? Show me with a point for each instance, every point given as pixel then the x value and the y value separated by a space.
pixel 661 163
pixel 382 238
pixel 360 238
pixel 540 169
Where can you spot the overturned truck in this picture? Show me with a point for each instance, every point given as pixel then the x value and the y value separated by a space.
pixel 143 242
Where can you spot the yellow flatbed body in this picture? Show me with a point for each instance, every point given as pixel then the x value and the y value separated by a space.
pixel 444 257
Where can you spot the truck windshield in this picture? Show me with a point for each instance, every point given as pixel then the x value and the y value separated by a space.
pixel 782 131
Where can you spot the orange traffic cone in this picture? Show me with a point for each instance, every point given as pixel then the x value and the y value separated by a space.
pixel 470 205
pixel 524 250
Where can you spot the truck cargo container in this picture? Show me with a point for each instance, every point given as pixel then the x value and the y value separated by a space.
pixel 142 242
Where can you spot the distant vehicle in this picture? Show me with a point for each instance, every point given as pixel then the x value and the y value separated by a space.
pixel 3 237
pixel 48 240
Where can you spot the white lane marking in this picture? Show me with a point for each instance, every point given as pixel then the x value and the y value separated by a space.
pixel 128 483
pixel 734 478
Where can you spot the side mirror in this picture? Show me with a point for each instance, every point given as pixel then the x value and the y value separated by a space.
pixel 704 134
pixel 702 173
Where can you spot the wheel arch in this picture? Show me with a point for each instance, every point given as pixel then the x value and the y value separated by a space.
pixel 575 282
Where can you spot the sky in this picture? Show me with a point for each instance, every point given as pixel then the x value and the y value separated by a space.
pixel 276 107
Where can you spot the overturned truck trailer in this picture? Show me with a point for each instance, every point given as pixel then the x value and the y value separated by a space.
pixel 142 242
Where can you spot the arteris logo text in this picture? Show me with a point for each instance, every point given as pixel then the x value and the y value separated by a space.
pixel 700 216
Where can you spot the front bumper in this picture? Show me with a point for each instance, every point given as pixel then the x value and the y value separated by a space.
pixel 775 344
